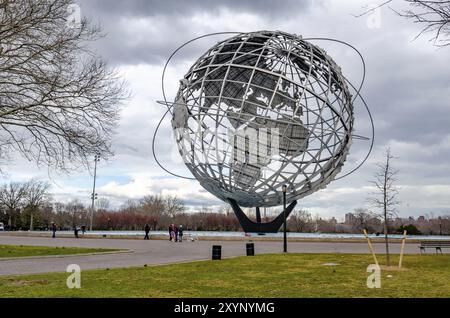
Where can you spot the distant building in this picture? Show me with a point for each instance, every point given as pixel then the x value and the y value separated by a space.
pixel 349 218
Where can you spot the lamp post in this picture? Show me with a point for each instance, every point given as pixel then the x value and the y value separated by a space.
pixel 284 188
pixel 94 195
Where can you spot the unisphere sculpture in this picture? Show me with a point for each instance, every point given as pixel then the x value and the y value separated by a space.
pixel 260 110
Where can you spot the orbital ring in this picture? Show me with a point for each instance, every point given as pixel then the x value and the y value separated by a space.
pixel 358 94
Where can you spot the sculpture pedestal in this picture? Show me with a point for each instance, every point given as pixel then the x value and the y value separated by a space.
pixel 258 227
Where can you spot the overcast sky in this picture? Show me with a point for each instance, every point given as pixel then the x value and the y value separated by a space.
pixel 407 88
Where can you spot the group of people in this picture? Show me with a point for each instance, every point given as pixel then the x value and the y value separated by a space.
pixel 175 233
pixel 53 228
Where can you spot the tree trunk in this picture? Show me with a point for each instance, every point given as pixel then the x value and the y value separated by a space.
pixel 385 206
pixel 386 240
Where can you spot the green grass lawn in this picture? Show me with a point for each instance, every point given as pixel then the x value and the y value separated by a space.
pixel 293 275
pixel 22 251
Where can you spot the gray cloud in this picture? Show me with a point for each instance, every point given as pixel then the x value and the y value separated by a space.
pixel 173 22
pixel 407 87
pixel 140 8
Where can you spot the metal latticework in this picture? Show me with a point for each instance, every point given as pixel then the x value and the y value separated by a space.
pixel 260 110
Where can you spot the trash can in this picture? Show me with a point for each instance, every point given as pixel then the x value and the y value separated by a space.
pixel 250 249
pixel 216 252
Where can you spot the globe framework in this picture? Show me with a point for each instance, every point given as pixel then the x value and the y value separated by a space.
pixel 268 90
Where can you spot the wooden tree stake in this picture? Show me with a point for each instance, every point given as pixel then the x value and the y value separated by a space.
pixel 402 250
pixel 371 248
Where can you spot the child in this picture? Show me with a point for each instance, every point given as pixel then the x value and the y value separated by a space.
pixel 170 232
pixel 180 233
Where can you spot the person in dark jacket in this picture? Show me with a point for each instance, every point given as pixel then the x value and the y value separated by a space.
pixel 175 232
pixel 53 230
pixel 75 231
pixel 147 230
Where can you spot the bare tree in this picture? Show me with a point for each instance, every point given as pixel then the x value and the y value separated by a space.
pixel 153 205
pixel 317 219
pixel 36 194
pixel 300 219
pixel 362 219
pixel 433 15
pixel 173 205
pixel 12 198
pixel 59 102
pixel 385 196
pixel 103 204
pixel 445 224
pixel 225 209
pixel 77 210
pixel 130 205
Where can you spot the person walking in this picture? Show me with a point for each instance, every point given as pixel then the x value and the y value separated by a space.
pixel 75 231
pixel 53 230
pixel 147 230
pixel 170 232
pixel 175 233
pixel 180 233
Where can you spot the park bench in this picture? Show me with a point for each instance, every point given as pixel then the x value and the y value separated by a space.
pixel 438 245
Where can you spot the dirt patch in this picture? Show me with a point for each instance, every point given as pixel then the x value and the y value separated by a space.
pixel 21 282
pixel 392 268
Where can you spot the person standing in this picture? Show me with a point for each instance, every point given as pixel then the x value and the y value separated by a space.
pixel 147 230
pixel 75 231
pixel 170 232
pixel 53 230
pixel 180 233
pixel 175 232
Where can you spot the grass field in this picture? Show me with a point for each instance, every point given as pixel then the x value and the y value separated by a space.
pixel 293 275
pixel 23 251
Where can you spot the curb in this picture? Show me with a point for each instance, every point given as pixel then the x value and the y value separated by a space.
pixel 226 238
pixel 63 256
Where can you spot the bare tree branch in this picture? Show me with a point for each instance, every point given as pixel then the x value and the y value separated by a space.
pixel 433 15
pixel 12 197
pixel 59 102
pixel 371 9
